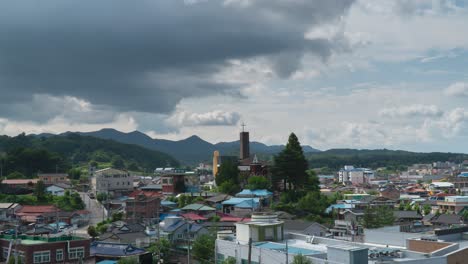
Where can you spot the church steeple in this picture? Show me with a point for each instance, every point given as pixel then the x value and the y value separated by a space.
pixel 244 143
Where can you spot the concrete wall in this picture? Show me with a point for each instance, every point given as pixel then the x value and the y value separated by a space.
pixel 388 236
pixel 259 256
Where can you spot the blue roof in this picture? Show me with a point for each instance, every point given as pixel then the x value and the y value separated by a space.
pixel 463 174
pixel 174 226
pixel 259 192
pixel 282 247
pixel 339 206
pixel 238 200
pixel 247 204
pixel 168 203
pixel 107 262
pixel 114 249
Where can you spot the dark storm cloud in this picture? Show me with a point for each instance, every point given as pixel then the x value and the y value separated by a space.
pixel 146 56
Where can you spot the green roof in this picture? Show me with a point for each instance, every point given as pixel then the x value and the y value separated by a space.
pixel 32 240
pixel 198 207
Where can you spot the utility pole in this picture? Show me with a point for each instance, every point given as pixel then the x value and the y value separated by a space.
pixel 250 251
pixel 188 241
pixel 287 255
pixel 16 243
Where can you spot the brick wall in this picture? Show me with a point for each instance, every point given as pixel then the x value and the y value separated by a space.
pixel 425 246
pixel 458 257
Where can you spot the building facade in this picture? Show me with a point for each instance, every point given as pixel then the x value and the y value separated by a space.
pixel 111 181
pixel 142 208
pixel 52 178
pixel 35 249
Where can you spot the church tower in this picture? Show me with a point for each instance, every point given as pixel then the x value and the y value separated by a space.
pixel 244 144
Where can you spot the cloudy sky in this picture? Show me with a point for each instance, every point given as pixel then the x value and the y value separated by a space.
pixel 339 73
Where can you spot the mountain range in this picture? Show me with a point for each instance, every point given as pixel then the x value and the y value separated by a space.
pixel 189 151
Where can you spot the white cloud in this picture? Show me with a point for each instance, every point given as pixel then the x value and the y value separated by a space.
pixel 411 111
pixel 122 122
pixel 457 89
pixel 213 118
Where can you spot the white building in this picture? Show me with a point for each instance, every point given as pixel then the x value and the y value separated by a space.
pixel 56 190
pixel 356 176
pixel 112 181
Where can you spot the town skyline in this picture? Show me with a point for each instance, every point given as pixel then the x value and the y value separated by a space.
pixel 326 70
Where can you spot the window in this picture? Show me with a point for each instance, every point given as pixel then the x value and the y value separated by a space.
pixel 5 253
pixel 76 253
pixel 59 254
pixel 42 256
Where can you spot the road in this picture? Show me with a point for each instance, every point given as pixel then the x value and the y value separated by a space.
pixel 96 210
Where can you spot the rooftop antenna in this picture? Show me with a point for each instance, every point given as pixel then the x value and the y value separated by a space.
pixel 243 125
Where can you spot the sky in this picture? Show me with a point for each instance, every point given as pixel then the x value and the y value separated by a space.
pixel 338 73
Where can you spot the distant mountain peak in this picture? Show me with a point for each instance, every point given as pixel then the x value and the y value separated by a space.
pixel 191 150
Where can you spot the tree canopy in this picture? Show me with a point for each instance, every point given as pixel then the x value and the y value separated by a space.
pixel 203 248
pixel 227 178
pixel 290 165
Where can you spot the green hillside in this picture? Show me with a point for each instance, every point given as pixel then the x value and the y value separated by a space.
pixel 337 158
pixel 32 154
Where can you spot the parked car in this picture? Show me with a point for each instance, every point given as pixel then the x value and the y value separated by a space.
pixel 91 195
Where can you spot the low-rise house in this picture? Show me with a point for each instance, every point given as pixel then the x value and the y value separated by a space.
pixel 198 208
pixel 177 229
pixel 216 200
pixel 115 251
pixel 405 217
pixel 240 206
pixel 53 178
pixel 122 232
pixel 447 220
pixel 37 213
pixel 58 189
pixel 20 183
pixel 442 187
pixel 7 211
pixel 390 192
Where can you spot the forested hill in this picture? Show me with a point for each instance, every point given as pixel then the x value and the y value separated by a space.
pixel 337 158
pixel 31 154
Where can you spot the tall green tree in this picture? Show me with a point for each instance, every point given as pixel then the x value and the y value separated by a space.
pixel 161 250
pixel 375 217
pixel 40 191
pixel 228 171
pixel 203 248
pixel 290 165
pixel 258 182
pixel 229 260
pixel 301 259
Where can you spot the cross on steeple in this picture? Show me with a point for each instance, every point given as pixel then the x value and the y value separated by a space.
pixel 243 125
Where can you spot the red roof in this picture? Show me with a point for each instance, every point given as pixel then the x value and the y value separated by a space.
pixel 83 212
pixel 34 209
pixel 231 218
pixel 193 217
pixel 19 181
pixel 148 194
pixel 443 194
